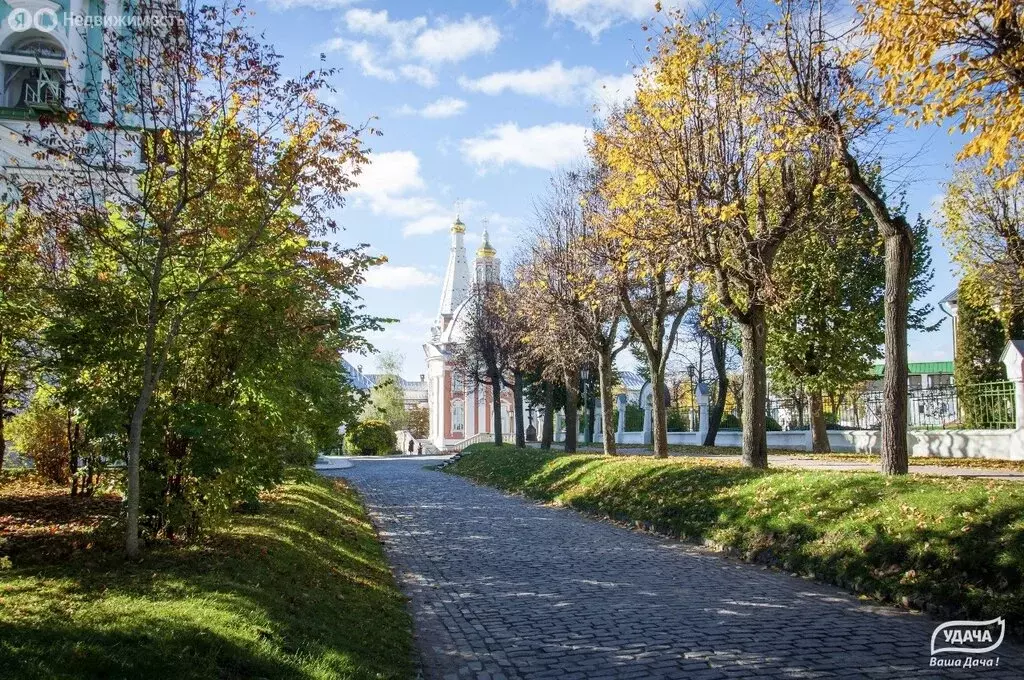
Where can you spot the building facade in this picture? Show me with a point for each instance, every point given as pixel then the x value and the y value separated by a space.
pixel 461 409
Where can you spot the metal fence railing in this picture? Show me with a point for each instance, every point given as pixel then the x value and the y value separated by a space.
pixel 983 406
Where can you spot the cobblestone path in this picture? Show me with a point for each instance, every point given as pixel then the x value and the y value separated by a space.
pixel 501 587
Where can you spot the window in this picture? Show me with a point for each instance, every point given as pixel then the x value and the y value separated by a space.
pixel 36 82
pixel 458 416
pixel 458 384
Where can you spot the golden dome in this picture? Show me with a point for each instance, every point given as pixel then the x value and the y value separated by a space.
pixel 458 227
pixel 486 250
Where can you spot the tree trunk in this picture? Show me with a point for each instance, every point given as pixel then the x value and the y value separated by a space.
pixel 3 413
pixel 898 257
pixel 72 452
pixel 134 448
pixel 718 349
pixel 547 433
pixel 572 423
pixel 819 432
pixel 608 427
pixel 755 389
pixel 659 416
pixel 899 247
pixel 517 396
pixel 496 407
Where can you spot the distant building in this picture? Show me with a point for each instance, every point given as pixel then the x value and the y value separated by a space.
pixel 920 375
pixel 415 391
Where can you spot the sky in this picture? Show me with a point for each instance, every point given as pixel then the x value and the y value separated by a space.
pixel 479 102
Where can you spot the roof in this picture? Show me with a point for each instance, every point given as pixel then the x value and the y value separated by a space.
pixel 355 378
pixel 631 380
pixel 374 378
pixel 919 368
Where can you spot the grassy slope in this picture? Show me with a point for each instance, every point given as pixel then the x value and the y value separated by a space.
pixel 948 545
pixel 300 590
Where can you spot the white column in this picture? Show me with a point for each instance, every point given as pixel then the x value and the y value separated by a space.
pixel 703 402
pixel 77 56
pixel 620 433
pixel 648 427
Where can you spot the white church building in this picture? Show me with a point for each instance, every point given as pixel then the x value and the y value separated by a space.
pixel 460 411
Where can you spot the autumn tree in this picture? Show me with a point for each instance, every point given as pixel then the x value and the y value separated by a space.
pixel 185 172
pixel 22 313
pixel 964 64
pixel 829 97
pixel 983 228
pixel 706 166
pixel 582 284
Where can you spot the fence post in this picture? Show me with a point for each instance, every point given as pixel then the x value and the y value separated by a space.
pixel 620 433
pixel 1013 360
pixel 703 402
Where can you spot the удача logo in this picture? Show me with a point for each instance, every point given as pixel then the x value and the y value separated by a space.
pixel 967 637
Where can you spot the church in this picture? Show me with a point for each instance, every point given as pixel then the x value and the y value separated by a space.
pixel 460 411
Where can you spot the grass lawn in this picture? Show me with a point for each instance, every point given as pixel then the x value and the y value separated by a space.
pixel 734 452
pixel 299 590
pixel 949 545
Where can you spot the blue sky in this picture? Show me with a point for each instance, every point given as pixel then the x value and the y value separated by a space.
pixel 479 102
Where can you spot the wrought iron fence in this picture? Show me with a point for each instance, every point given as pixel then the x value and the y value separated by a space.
pixel 983 406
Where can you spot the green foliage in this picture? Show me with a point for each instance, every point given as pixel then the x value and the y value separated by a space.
pixel 40 433
pixel 371 438
pixel 300 590
pixel 771 425
pixel 387 399
pixel 826 330
pixel 730 422
pixel 951 543
pixel 419 422
pixel 980 337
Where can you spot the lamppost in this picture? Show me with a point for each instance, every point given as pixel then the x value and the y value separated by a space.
pixel 531 431
pixel 691 370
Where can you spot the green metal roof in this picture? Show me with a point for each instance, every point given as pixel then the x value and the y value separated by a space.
pixel 919 368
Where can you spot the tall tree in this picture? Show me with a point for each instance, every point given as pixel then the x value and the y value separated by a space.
pixel 831 100
pixel 387 398
pixel 704 166
pixel 21 313
pixel 202 159
pixel 827 324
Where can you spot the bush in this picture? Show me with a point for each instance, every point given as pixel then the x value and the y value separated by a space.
pixel 371 438
pixel 730 422
pixel 40 433
pixel 771 425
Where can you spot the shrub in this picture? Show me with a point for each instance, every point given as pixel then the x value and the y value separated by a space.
pixel 771 425
pixel 40 433
pixel 371 438
pixel 730 422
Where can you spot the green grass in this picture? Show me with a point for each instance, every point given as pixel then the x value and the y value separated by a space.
pixel 838 457
pixel 299 590
pixel 949 545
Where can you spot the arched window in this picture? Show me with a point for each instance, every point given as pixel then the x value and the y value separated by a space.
pixel 458 416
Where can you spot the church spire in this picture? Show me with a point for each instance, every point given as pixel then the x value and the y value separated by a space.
pixel 487 265
pixel 456 276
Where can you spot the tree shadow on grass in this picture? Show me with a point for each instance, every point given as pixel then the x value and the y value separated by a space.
pixel 301 589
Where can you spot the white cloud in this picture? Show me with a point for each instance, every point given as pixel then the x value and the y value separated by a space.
pixel 388 48
pixel 445 107
pixel 421 75
pixel 392 277
pixel 385 185
pixel 561 85
pixel 430 224
pixel 455 41
pixel 541 146
pixel 595 16
pixel 281 5
pixel 553 82
pixel 363 55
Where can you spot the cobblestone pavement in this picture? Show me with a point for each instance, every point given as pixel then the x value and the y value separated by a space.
pixel 504 588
